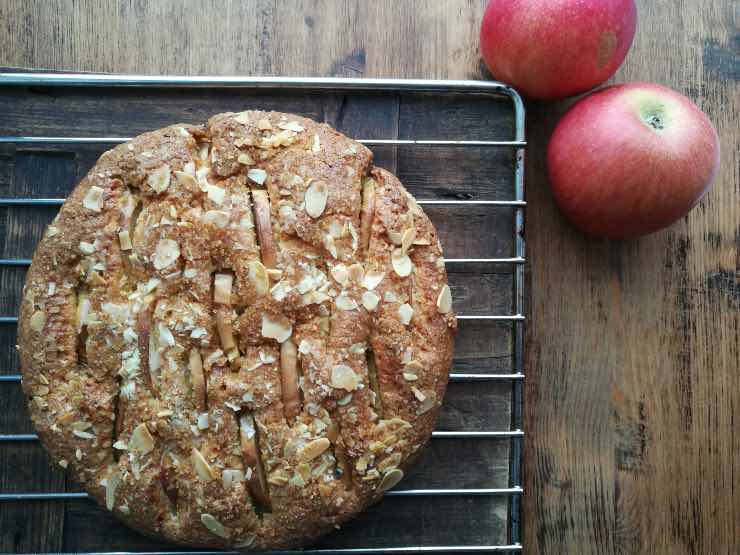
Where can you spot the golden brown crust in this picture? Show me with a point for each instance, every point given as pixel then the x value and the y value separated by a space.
pixel 237 334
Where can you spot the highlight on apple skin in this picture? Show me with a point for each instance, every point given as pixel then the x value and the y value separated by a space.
pixel 552 49
pixel 631 159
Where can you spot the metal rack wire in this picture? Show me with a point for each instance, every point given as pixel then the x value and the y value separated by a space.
pixel 514 434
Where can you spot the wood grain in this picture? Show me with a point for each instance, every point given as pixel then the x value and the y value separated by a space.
pixel 633 348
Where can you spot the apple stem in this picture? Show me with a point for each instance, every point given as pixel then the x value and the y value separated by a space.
pixel 654 121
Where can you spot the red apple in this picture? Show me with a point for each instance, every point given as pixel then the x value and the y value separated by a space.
pixel 556 48
pixel 631 159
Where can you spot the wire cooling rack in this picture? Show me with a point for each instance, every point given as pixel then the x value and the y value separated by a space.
pixel 516 144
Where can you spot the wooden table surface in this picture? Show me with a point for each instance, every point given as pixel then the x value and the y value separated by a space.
pixel 633 349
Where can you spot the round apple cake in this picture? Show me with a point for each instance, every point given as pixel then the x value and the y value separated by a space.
pixel 237 334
